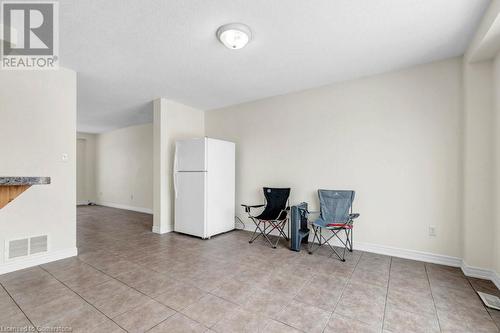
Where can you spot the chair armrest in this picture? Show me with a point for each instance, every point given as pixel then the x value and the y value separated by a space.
pixel 353 216
pixel 248 207
pixel 286 211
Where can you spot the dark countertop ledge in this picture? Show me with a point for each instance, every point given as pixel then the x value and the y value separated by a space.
pixel 16 181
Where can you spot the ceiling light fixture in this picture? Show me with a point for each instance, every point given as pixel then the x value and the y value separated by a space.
pixel 234 35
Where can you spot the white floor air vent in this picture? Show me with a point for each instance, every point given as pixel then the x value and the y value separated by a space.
pixel 19 248
pixel 38 244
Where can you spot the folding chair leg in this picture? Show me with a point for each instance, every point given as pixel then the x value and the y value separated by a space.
pixel 347 239
pixel 351 232
pixel 281 229
pixel 277 225
pixel 256 235
pixel 275 245
pixel 335 234
pixel 321 238
pixel 269 226
pixel 311 244
pixel 348 235
pixel 270 242
pixel 261 232
pixel 264 232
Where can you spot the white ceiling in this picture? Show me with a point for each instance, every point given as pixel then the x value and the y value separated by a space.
pixel 128 52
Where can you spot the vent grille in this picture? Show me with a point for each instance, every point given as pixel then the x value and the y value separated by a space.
pixel 38 244
pixel 18 248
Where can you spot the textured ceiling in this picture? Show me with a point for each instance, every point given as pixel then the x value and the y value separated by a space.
pixel 129 52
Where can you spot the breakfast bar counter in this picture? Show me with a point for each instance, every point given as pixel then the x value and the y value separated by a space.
pixel 12 187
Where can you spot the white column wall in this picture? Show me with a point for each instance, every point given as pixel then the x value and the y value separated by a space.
pixel 172 121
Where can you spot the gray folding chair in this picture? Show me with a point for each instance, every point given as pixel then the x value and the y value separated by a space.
pixel 336 216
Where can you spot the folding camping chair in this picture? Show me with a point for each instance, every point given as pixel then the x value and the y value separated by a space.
pixel 335 215
pixel 273 217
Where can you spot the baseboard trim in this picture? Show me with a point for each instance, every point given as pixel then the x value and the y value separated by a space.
pixel 156 229
pixel 409 254
pixel 496 279
pixel 18 264
pixel 481 273
pixel 398 252
pixel 126 207
pixel 476 272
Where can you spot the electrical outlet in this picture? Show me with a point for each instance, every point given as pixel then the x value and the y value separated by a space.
pixel 64 157
pixel 131 197
pixel 432 231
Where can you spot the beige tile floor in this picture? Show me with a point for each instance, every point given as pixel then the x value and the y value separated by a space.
pixel 129 279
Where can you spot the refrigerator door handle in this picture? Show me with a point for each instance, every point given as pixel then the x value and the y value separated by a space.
pixel 175 184
pixel 175 171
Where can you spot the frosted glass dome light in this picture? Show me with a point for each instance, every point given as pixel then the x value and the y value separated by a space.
pixel 234 36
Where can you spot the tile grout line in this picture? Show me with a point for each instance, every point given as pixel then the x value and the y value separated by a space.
pixel 291 300
pixel 162 273
pixel 131 287
pixel 288 325
pixel 13 300
pixel 220 319
pixel 287 304
pixel 176 313
pixel 92 305
pixel 342 292
pixel 230 301
pixel 149 329
pixel 489 314
pixel 114 278
pixel 387 294
pixel 117 246
pixel 432 295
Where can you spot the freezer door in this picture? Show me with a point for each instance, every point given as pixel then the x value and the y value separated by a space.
pixel 190 203
pixel 190 155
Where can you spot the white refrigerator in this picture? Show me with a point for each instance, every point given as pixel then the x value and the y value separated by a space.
pixel 204 186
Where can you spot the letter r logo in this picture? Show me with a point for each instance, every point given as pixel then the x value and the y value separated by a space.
pixel 31 26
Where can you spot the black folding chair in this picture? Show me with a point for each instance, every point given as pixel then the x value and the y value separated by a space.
pixel 273 217
pixel 335 215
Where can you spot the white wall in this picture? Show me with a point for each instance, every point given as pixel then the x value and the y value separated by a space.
pixel 183 122
pixel 496 203
pixel 172 121
pixel 124 168
pixel 86 160
pixel 394 138
pixel 480 213
pixel 37 126
pixel 478 165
